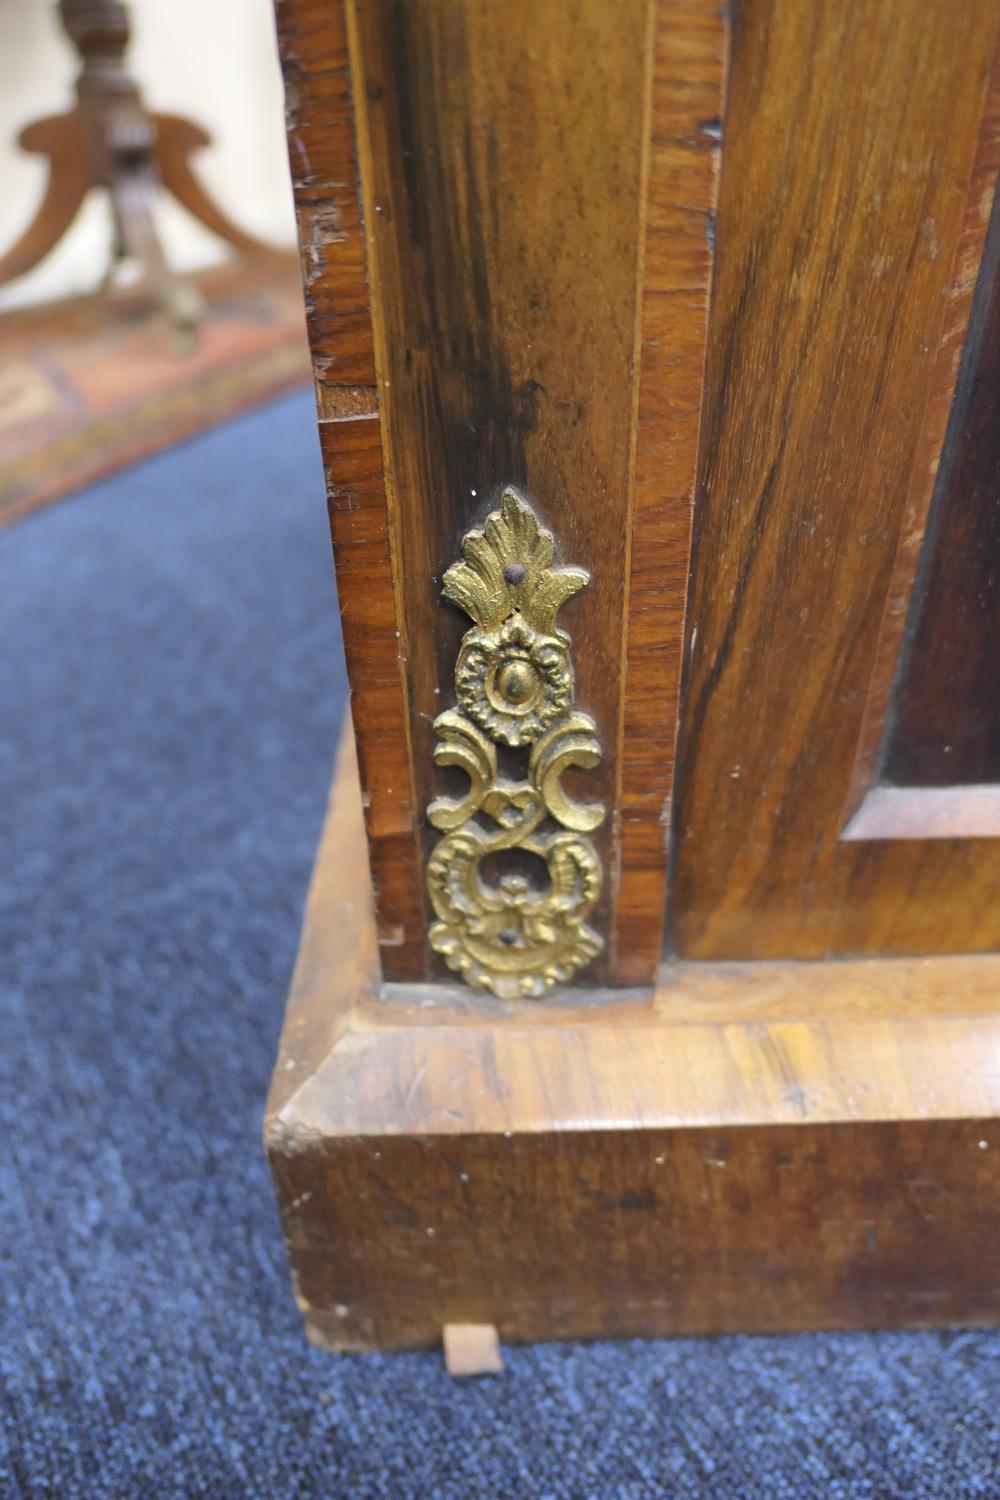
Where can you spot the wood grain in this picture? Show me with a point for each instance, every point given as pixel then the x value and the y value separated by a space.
pixel 685 129
pixel 540 236
pixel 642 1233
pixel 772 1048
pixel 979 205
pixel 321 149
pixel 337 965
pixel 757 1145
pixel 946 704
pixel 761 1146
pixel 501 150
pixel 841 209
pixel 313 47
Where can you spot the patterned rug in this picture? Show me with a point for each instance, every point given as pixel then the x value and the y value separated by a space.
pixel 90 385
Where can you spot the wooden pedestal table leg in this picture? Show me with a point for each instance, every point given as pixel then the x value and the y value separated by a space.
pixel 176 138
pixel 62 139
pixel 111 141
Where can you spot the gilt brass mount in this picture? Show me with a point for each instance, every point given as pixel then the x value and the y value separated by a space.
pixel 514 684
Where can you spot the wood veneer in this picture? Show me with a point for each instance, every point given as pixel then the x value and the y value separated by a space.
pixel 945 728
pixel 941 393
pixel 759 1146
pixel 708 1144
pixel 539 247
pixel 501 158
pixel 313 46
pixel 841 207
pixel 690 48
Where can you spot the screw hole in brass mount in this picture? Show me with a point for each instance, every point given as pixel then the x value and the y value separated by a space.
pixel 514 685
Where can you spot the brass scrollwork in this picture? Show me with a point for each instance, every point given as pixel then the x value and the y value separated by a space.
pixel 514 685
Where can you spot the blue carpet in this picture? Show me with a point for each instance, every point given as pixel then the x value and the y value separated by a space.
pixel 170 688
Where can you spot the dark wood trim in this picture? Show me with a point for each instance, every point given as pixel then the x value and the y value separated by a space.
pixel 943 726
pixel 941 392
pixel 504 232
pixel 684 132
pixel 337 967
pixel 400 520
pixel 322 155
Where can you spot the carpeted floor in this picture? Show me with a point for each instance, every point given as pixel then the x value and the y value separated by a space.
pixel 170 686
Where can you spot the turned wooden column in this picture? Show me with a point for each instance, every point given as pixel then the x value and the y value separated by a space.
pixel 110 140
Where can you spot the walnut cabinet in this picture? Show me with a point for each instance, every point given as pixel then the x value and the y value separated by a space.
pixel 650 976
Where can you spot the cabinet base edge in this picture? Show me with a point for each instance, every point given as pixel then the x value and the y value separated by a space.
pixel 752 1148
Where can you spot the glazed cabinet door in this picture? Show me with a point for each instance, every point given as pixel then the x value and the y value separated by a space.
pixel 837 792
pixel 656 347
pixel 646 345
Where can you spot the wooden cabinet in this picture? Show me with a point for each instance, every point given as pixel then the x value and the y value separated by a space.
pixel 650 977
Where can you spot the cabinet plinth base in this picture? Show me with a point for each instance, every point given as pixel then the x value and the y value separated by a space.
pixel 753 1147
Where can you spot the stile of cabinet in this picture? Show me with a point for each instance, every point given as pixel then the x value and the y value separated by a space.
pixel 649 977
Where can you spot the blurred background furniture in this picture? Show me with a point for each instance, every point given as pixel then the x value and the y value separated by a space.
pixel 167 344
pixel 110 141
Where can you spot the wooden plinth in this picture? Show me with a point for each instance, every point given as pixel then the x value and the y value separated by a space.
pixel 754 1147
